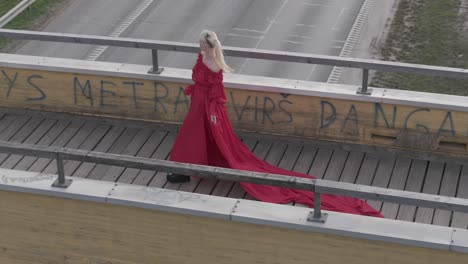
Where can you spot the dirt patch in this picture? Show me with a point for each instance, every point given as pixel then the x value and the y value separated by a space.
pixel 430 32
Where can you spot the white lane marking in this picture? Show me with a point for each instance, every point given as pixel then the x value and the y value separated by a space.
pixel 250 30
pixel 314 66
pixel 265 32
pixel 95 53
pixel 299 36
pixel 244 36
pixel 322 5
pixel 305 25
pixel 293 42
pixel 338 19
pixel 352 39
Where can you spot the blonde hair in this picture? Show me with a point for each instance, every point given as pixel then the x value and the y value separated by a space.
pixel 213 41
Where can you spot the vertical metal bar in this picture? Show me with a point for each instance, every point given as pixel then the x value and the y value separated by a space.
pixel 365 79
pixel 60 169
pixel 61 181
pixel 317 215
pixel 317 209
pixel 155 69
pixel 365 83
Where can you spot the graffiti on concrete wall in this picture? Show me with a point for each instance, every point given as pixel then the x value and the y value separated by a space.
pixel 260 108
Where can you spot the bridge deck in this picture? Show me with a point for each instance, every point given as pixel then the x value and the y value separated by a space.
pixel 332 162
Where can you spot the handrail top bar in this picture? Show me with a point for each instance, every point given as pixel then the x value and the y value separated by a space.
pixel 317 185
pixel 387 66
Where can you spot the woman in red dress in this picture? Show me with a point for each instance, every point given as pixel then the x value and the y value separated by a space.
pixel 207 138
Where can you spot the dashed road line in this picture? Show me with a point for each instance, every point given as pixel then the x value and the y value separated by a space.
pixel 352 39
pixel 272 21
pixel 95 53
pixel 244 36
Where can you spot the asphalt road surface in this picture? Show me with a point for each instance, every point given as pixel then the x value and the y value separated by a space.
pixel 309 26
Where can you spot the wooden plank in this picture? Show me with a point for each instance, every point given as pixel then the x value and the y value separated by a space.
pixel 269 151
pixel 5 131
pixel 237 190
pixel 304 162
pixel 322 186
pixel 152 178
pixel 128 175
pixel 196 182
pixel 52 137
pixel 460 220
pixel 95 137
pixel 22 134
pixel 290 156
pixel 13 128
pixel 397 182
pixel 336 165
pixel 116 147
pixel 367 172
pixel 431 186
pixel 382 177
pixel 448 187
pixel 352 166
pixel 26 129
pixel 224 188
pixel 261 151
pixel 370 192
pixel 101 141
pixel 69 141
pixel 320 164
pixel 33 138
pixel 158 178
pixel 6 121
pixel 275 154
pixel 414 183
pixel 305 159
pixel 130 150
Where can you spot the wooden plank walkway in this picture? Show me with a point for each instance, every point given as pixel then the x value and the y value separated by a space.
pixel 149 140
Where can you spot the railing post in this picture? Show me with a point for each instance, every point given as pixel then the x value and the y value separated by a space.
pixel 365 83
pixel 61 182
pixel 317 215
pixel 155 69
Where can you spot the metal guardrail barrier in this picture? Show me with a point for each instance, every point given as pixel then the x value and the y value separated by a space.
pixel 155 45
pixel 10 15
pixel 315 185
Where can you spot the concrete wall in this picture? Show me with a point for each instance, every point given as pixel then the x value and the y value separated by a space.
pixel 400 119
pixel 104 222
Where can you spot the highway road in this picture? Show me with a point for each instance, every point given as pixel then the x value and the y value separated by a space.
pixel 310 26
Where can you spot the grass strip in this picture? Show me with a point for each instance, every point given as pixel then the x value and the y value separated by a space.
pixel 428 32
pixel 29 18
pixel 7 5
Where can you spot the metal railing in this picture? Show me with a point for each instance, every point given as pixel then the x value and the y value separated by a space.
pixel 155 45
pixel 317 186
pixel 10 15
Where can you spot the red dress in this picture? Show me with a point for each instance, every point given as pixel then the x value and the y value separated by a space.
pixel 201 141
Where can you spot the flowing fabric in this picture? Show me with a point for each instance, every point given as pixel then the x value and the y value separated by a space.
pixel 202 141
